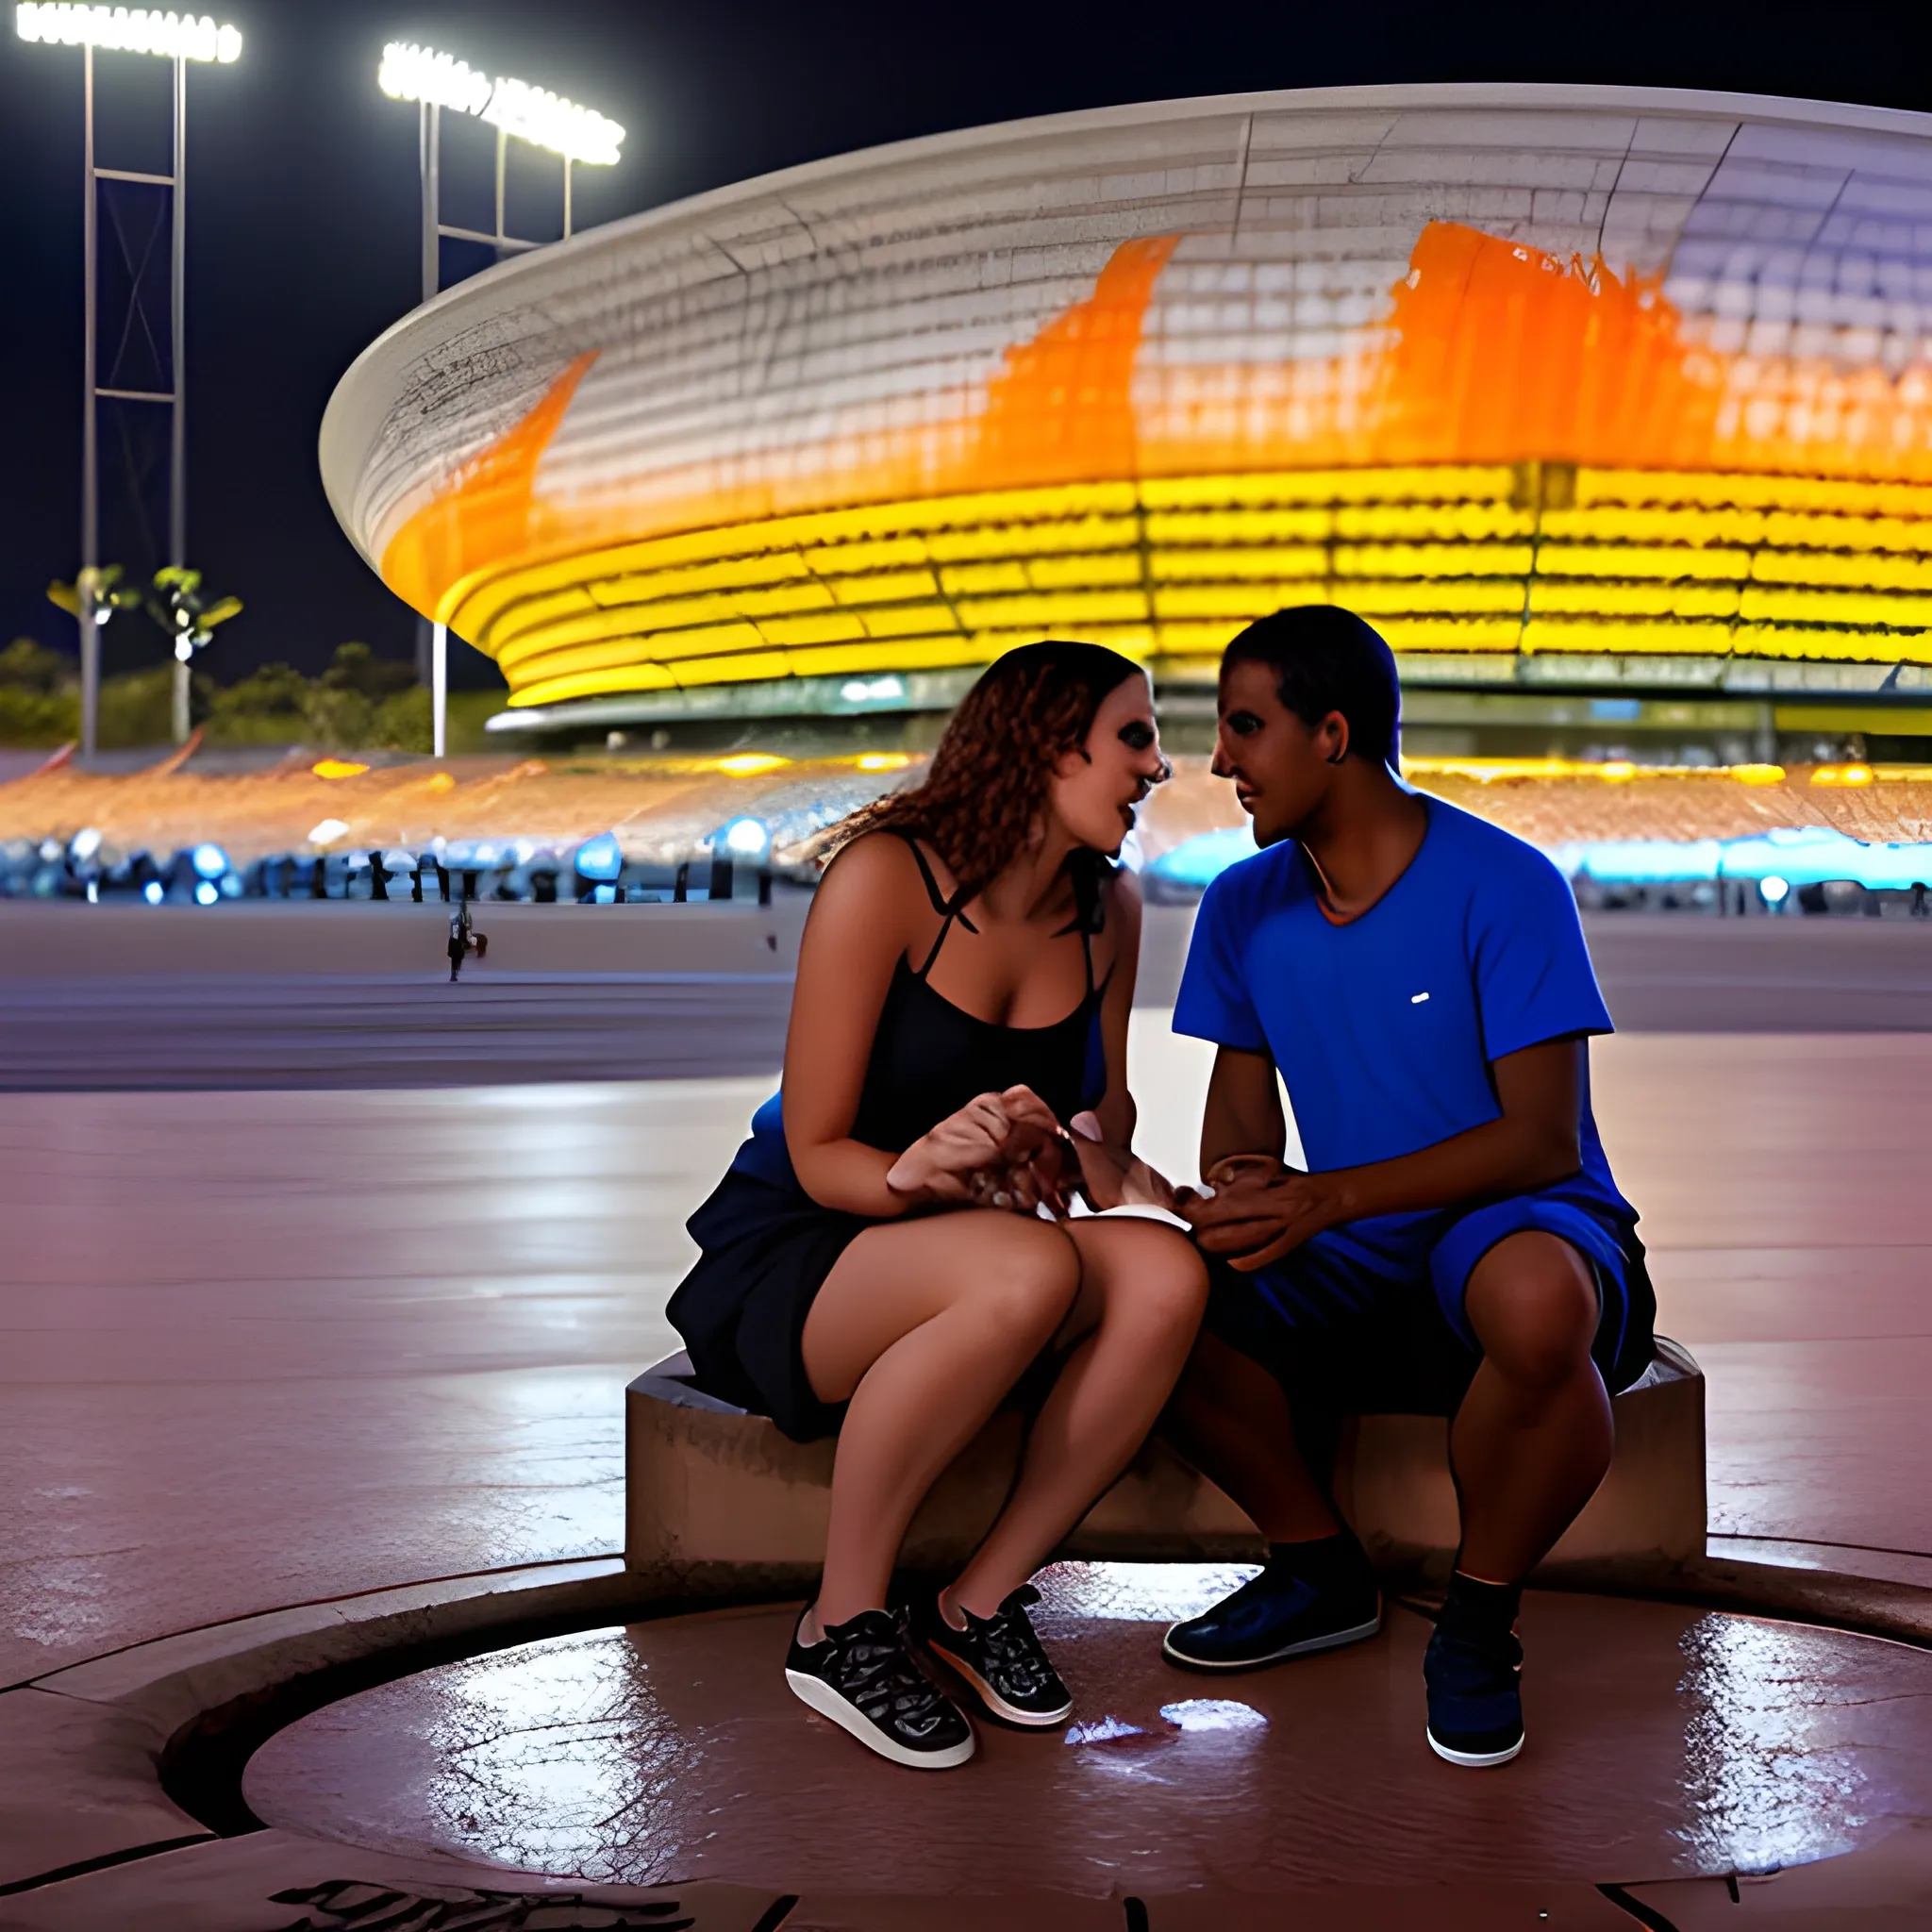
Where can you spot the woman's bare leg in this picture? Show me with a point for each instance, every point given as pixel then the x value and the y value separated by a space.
pixel 1142 1289
pixel 925 1325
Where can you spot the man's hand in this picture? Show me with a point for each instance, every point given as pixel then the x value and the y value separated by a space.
pixel 1261 1209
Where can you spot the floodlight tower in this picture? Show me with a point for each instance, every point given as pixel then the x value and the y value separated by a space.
pixel 515 108
pixel 179 37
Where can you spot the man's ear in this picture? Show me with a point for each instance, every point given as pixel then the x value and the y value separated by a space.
pixel 1335 726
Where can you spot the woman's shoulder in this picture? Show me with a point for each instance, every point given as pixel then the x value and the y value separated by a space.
pixel 877 872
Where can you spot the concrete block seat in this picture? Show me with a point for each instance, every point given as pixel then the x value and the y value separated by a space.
pixel 717 1500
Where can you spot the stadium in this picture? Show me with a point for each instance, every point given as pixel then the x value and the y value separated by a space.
pixel 1612 408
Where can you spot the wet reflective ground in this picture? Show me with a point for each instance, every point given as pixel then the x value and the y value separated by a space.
pixel 1663 1741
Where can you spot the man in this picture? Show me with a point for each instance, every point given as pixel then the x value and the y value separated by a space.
pixel 1456 1247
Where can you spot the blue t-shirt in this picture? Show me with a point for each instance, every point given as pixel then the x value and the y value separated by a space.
pixel 1383 1029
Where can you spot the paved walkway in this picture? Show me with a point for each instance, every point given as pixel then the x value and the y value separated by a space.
pixel 258 1349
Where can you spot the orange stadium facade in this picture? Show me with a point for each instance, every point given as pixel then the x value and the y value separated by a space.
pixel 1570 390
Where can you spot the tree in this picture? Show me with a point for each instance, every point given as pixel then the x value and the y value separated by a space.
pixel 37 703
pixel 173 600
pixel 110 593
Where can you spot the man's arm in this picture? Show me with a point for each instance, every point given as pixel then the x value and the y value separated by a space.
pixel 1243 1110
pixel 1261 1210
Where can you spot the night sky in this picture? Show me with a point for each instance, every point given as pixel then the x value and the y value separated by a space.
pixel 303 196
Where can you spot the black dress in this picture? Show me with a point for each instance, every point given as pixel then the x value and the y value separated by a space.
pixel 767 1245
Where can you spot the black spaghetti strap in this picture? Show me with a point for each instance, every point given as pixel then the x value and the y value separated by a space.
pixel 926 872
pixel 949 909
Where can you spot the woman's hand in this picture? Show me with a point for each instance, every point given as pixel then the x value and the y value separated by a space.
pixel 1259 1210
pixel 1116 1176
pixel 993 1146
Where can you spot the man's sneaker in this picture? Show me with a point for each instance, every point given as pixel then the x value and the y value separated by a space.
pixel 1001 1657
pixel 1280 1614
pixel 862 1676
pixel 1475 1696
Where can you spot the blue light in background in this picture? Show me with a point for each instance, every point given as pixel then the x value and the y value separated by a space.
pixel 209 861
pixel 1799 858
pixel 600 858
pixel 746 839
pixel 1199 860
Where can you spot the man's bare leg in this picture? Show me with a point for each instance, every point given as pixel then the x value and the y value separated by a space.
pixel 1529 1447
pixel 1231 1420
pixel 1533 1437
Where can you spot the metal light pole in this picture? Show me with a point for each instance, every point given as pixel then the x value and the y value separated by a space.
pixel 410 72
pixel 180 39
pixel 177 332
pixel 89 443
pixel 436 636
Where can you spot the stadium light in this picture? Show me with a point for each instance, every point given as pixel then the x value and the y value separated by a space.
pixel 180 38
pixel 411 73
pixel 435 81
pixel 129 30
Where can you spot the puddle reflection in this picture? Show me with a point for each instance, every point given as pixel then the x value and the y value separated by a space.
pixel 564 1761
pixel 1139 1592
pixel 1770 1778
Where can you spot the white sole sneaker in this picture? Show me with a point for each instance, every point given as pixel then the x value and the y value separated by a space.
pixel 819 1695
pixel 1472 1760
pixel 1007 1714
pixel 1332 1639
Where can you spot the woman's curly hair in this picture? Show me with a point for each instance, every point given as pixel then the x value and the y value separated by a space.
pixel 986 787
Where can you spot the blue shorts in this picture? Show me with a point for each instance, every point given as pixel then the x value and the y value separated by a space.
pixel 1368 1318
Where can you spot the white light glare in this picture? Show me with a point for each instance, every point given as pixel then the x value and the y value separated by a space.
pixel 748 837
pixel 1774 888
pixel 860 690
pixel 409 72
pixel 128 30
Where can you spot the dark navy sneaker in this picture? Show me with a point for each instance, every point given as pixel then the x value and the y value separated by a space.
pixel 1475 1697
pixel 1001 1659
pixel 1281 1613
pixel 862 1676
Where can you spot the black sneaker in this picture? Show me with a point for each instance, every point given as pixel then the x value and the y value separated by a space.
pixel 1000 1656
pixel 862 1676
pixel 1280 1614
pixel 1475 1696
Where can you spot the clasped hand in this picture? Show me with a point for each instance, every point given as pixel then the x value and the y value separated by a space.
pixel 1000 1150
pixel 1260 1208
pixel 1008 1151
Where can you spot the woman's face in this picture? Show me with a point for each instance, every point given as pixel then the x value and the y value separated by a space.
pixel 1096 791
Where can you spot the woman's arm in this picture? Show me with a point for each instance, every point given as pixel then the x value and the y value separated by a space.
pixel 1116 1111
pixel 1261 1210
pixel 855 936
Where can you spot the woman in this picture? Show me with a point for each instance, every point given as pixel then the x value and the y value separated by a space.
pixel 964 992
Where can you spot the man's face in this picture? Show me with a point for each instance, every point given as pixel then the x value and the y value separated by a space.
pixel 1281 768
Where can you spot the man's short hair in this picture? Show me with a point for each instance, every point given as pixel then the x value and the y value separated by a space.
pixel 1325 658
